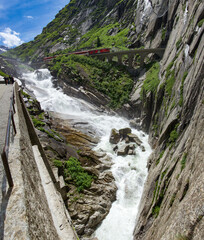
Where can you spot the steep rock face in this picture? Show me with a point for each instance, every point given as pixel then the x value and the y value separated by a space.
pixel 172 202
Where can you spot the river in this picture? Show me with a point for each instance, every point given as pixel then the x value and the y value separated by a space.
pixel 129 172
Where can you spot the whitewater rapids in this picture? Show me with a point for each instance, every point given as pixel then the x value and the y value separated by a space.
pixel 129 172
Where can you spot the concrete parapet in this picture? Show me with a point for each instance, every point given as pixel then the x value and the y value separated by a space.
pixel 33 208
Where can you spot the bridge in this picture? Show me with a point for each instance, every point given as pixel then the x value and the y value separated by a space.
pixel 129 54
pixel 31 202
pixel 143 53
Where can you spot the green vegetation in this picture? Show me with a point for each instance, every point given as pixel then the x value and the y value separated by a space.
pixel 155 191
pixel 37 123
pixel 182 237
pixel 41 116
pixel 160 156
pixel 164 30
pixel 152 79
pixel 164 173
pixel 178 43
pixel 77 174
pixel 200 23
pixel 183 161
pixel 25 94
pixel 181 88
pixel 61 31
pixel 3 74
pixel 50 133
pixel 155 211
pixel 118 40
pixel 57 163
pixel 105 77
pixel 170 78
pixel 173 104
pixel 173 136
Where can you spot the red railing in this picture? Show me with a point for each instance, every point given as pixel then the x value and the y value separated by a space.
pixel 5 152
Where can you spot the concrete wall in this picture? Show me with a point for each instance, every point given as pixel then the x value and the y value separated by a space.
pixel 33 207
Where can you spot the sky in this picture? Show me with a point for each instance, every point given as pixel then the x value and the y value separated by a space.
pixel 22 20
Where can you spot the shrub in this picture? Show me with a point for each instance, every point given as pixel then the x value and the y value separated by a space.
pixel 173 136
pixel 152 78
pixel 183 161
pixel 38 123
pixel 57 163
pixel 170 78
pixel 80 178
pixel 170 83
pixel 155 211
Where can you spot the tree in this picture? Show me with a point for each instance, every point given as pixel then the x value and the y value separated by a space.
pixel 98 42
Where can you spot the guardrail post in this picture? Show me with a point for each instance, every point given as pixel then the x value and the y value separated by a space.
pixel 13 123
pixel 6 168
pixel 4 154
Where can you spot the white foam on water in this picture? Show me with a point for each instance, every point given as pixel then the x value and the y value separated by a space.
pixel 129 172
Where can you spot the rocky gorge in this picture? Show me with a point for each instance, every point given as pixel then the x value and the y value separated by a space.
pixel 165 99
pixel 60 141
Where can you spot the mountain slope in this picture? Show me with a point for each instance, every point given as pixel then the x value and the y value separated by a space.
pixel 3 49
pixel 118 23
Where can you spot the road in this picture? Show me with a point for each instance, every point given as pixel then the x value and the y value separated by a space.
pixel 5 95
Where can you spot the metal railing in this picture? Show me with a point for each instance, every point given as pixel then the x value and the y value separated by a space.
pixel 5 152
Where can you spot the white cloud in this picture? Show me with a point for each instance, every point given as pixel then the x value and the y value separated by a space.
pixel 29 17
pixel 10 38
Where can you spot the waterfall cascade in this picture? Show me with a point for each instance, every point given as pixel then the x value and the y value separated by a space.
pixel 129 172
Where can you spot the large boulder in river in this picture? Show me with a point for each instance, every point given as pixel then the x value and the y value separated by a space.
pixel 124 132
pixel 134 138
pixel 114 137
pixel 123 150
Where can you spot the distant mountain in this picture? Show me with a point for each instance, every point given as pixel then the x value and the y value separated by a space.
pixel 3 49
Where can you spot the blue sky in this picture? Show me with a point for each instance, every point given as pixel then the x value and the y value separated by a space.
pixel 22 20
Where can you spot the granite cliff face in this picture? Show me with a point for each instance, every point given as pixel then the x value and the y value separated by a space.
pixel 168 97
pixel 172 202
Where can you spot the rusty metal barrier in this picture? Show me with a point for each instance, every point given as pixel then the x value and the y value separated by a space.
pixel 5 152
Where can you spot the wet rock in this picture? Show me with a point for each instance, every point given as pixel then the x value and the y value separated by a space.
pixel 92 171
pixel 127 140
pixel 132 146
pixel 115 149
pixel 80 228
pixel 134 138
pixel 123 150
pixel 135 123
pixel 143 148
pixel 131 152
pixel 124 132
pixel 114 137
